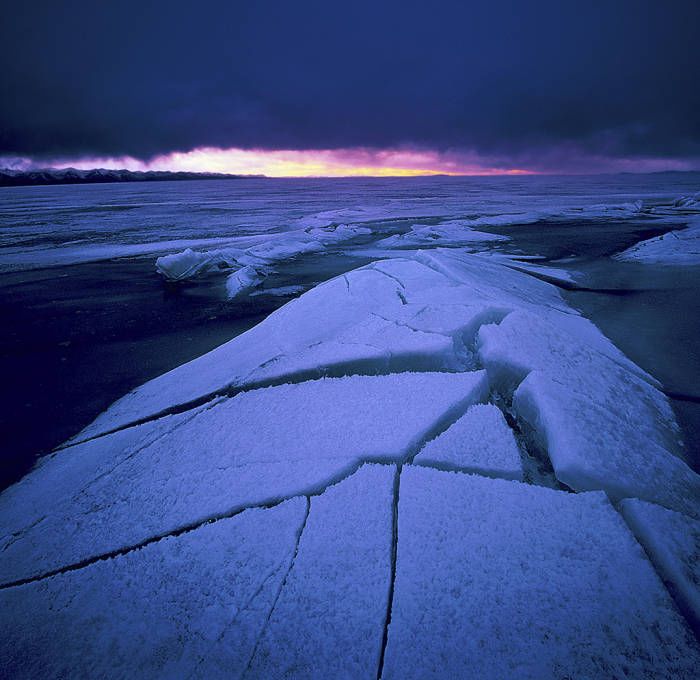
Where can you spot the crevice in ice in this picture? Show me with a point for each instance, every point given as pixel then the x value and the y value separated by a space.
pixel 283 583
pixel 17 535
pixel 369 366
pixel 466 470
pixel 374 268
pixel 143 446
pixel 537 467
pixel 392 578
pixel 444 422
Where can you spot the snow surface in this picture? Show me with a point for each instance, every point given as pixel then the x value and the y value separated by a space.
pixel 329 619
pixel 186 606
pixel 498 579
pixel 258 447
pixel 672 541
pixel 680 247
pixel 480 441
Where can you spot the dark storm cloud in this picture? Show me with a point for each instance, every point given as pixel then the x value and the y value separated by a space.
pixel 506 79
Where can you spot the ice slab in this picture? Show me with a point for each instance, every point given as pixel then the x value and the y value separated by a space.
pixel 186 606
pixel 672 541
pixel 329 619
pixel 681 247
pixel 601 421
pixel 242 280
pixel 480 441
pixel 442 310
pixel 498 579
pixel 258 447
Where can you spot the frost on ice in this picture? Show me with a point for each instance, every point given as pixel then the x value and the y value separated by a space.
pixel 296 502
pixel 187 606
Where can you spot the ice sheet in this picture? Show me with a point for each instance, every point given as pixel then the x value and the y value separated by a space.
pixel 680 247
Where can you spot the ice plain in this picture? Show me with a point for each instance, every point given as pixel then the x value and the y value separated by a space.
pixel 431 466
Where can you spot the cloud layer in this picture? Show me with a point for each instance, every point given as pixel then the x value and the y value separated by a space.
pixel 540 85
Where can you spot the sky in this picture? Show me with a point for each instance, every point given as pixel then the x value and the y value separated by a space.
pixel 333 88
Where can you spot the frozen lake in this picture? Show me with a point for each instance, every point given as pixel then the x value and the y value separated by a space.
pixel 88 317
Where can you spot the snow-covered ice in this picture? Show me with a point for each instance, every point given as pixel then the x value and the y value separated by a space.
pixel 258 447
pixel 672 541
pixel 169 517
pixel 602 420
pixel 480 441
pixel 345 323
pixel 252 254
pixel 497 579
pixel 329 619
pixel 187 606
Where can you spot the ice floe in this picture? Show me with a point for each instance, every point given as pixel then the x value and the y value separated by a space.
pixel 678 247
pixel 269 509
pixel 498 579
pixel 480 441
pixel 242 280
pixel 602 420
pixel 344 326
pixel 603 424
pixel 453 232
pixel 265 251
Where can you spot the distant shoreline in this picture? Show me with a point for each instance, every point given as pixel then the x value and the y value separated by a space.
pixel 18 178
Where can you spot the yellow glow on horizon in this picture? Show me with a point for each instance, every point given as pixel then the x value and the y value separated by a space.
pixel 358 162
